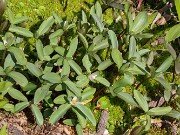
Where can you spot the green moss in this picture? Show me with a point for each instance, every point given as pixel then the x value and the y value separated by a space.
pixel 39 9
pixel 116 113
pixel 157 131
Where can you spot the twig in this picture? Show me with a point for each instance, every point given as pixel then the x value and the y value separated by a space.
pixel 102 123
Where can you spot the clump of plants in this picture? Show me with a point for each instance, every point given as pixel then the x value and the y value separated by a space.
pixel 69 67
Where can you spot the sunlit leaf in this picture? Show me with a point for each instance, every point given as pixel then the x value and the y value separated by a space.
pixel 72 47
pixel 177 4
pixel 19 78
pixel 140 22
pixel 73 88
pixel 165 65
pixel 105 64
pixel 39 49
pixel 173 33
pixel 132 47
pixel 57 114
pixel 41 93
pixel 38 115
pixel 113 39
pixel 102 81
pixel 75 67
pixel 19 55
pixel 61 99
pixel 127 98
pixel 34 69
pixel 141 100
pixel 87 112
pixel 20 106
pixel 16 94
pixel 45 26
pixel 52 77
pixel 86 63
pixel 83 40
pixel 117 57
pixel 159 110
pixel 21 31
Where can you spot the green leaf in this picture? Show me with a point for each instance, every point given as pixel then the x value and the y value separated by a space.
pixel 52 77
pixel 20 19
pixel 144 35
pixel 102 81
pixel 4 130
pixel 47 50
pixel 8 62
pixel 9 107
pixel 55 37
pixel 29 87
pixel 83 39
pixel 39 49
pixel 16 94
pixel 38 115
pixel 117 57
pixel 127 98
pixel 174 114
pixel 98 22
pixel 70 122
pixel 84 17
pixel 173 33
pixel 165 65
pixel 132 47
pixel 45 26
pixel 79 129
pixel 75 66
pixel 2 46
pixel 9 39
pixel 2 71
pixel 21 31
pixel 98 10
pixel 87 112
pixel 57 33
pixel 10 16
pixel 141 100
pixel 171 51
pixel 60 50
pixel 65 69
pixel 83 81
pixel 166 85
pixel 86 63
pixel 61 99
pixel 34 69
pixel 19 55
pixel 88 93
pixel 20 106
pixel 177 4
pixel 113 39
pixel 57 19
pixel 159 110
pixel 127 79
pixel 72 87
pixel 5 85
pixel 19 78
pixel 73 47
pixel 102 45
pixel 105 64
pixel 57 114
pixel 177 64
pixel 81 117
pixel 140 22
pixel 41 93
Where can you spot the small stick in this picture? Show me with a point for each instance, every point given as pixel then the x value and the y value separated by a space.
pixel 102 123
